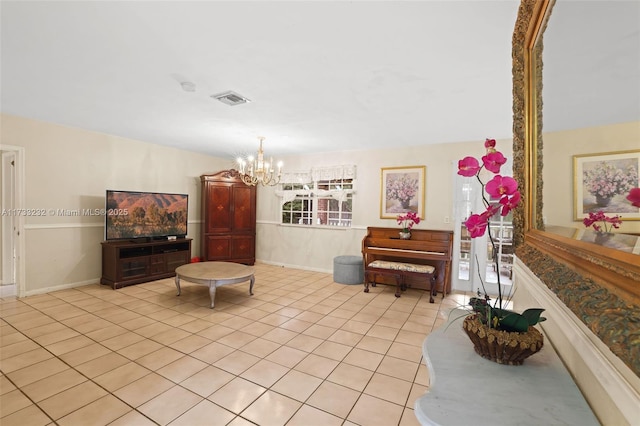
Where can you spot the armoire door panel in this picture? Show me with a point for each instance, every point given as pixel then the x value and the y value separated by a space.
pixel 218 208
pixel 243 208
pixel 243 247
pixel 218 248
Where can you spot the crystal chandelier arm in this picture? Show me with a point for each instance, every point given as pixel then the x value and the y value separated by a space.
pixel 259 171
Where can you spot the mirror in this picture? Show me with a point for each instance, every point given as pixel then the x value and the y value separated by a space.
pixel 591 125
pixel 601 285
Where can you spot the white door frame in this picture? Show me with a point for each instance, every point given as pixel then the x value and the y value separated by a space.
pixel 467 199
pixel 13 237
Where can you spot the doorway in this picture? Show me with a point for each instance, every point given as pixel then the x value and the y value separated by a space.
pixel 12 221
pixel 473 266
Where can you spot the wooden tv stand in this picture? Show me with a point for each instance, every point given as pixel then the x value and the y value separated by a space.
pixel 127 262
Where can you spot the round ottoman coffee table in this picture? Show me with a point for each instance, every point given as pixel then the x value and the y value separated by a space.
pixel 214 275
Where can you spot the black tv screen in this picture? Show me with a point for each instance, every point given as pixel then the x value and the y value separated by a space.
pixel 145 215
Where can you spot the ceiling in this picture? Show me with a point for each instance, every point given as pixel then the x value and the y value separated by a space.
pixel 591 64
pixel 322 75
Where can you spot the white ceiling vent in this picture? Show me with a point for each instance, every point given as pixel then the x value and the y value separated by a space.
pixel 231 98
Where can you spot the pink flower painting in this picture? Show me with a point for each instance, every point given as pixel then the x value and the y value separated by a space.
pixel 402 191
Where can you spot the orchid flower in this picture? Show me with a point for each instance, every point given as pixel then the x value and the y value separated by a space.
pixel 599 216
pixel 504 189
pixel 408 220
pixel 634 197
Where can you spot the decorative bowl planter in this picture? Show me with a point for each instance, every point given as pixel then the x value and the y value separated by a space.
pixel 503 347
pixel 405 235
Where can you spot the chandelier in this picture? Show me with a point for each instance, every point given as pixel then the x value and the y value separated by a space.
pixel 256 170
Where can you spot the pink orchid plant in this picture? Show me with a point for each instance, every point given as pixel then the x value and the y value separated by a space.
pixel 499 195
pixel 609 223
pixel 408 220
pixel 501 188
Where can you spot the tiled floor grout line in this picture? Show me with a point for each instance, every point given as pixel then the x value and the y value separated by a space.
pixel 178 384
pixel 336 305
pixel 307 399
pixel 71 367
pixel 16 386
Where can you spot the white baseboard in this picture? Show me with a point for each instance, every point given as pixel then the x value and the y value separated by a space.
pixel 288 265
pixel 8 290
pixel 61 287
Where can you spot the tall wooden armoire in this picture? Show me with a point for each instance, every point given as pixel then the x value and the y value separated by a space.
pixel 229 214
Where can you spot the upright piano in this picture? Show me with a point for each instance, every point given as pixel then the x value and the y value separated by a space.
pixel 425 247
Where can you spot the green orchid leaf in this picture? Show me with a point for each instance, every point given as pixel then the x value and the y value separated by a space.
pixel 533 315
pixel 514 322
pixel 501 313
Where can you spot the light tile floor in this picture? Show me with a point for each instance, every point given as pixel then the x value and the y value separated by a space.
pixel 302 351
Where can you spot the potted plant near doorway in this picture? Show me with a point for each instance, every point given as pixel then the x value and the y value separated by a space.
pixel 498 334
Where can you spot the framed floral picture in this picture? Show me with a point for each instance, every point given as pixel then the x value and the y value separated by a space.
pixel 603 181
pixel 402 190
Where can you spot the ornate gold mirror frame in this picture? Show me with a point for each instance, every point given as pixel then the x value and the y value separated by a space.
pixel 600 285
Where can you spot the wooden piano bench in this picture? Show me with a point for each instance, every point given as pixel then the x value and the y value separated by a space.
pixel 398 271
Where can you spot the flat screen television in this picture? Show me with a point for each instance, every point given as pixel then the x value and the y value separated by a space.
pixel 145 215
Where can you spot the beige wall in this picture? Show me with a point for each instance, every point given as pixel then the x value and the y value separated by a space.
pixel 315 248
pixel 70 169
pixel 67 168
pixel 559 149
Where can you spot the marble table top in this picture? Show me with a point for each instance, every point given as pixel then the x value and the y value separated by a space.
pixel 466 389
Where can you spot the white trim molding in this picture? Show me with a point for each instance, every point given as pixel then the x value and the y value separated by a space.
pixel 63 225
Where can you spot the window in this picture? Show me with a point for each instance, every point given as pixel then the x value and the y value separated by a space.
pixel 298 211
pixel 326 199
pixel 332 211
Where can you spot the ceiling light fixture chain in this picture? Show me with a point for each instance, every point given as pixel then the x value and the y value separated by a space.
pixel 256 170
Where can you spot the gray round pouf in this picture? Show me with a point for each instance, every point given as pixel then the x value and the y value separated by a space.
pixel 348 270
